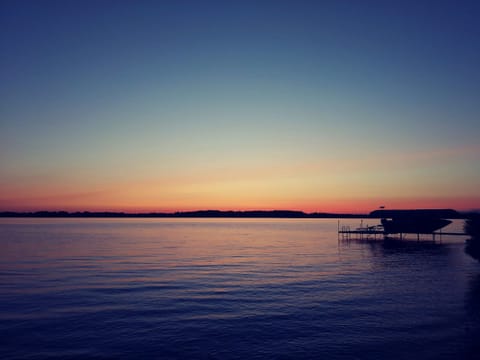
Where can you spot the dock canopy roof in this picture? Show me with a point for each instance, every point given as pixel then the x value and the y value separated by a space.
pixel 422 213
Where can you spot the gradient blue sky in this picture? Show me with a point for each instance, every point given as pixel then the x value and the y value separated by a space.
pixel 180 105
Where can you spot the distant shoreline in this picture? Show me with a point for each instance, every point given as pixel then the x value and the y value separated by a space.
pixel 181 214
pixel 282 214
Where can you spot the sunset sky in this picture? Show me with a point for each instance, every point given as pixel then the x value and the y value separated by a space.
pixel 338 106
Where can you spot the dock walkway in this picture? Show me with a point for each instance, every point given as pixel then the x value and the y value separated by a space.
pixel 369 232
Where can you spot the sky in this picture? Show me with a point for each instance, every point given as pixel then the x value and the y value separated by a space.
pixel 340 106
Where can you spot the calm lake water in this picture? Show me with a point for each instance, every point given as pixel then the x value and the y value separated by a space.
pixel 230 289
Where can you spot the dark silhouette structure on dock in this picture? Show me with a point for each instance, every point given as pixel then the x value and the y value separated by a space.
pixel 401 222
pixel 472 228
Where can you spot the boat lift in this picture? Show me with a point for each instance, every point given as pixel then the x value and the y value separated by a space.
pixel 345 232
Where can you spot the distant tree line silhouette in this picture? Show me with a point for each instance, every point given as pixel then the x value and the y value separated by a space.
pixel 184 214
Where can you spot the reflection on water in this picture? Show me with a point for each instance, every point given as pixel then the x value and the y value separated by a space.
pixel 229 288
pixel 472 307
pixel 393 246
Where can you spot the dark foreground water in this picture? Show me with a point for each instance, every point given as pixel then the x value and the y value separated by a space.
pixel 230 289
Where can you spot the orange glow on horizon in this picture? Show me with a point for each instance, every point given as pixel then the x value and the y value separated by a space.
pixel 311 185
pixel 354 206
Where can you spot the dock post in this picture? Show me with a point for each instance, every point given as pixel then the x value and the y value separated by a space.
pixel 338 230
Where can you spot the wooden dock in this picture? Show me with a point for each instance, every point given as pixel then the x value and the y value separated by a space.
pixel 345 233
pixel 369 232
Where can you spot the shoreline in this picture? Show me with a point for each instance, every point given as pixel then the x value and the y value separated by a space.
pixel 281 214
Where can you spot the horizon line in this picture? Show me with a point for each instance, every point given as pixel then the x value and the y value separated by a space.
pixel 213 213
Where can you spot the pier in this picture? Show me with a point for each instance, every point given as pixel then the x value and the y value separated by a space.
pixel 400 223
pixel 373 232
